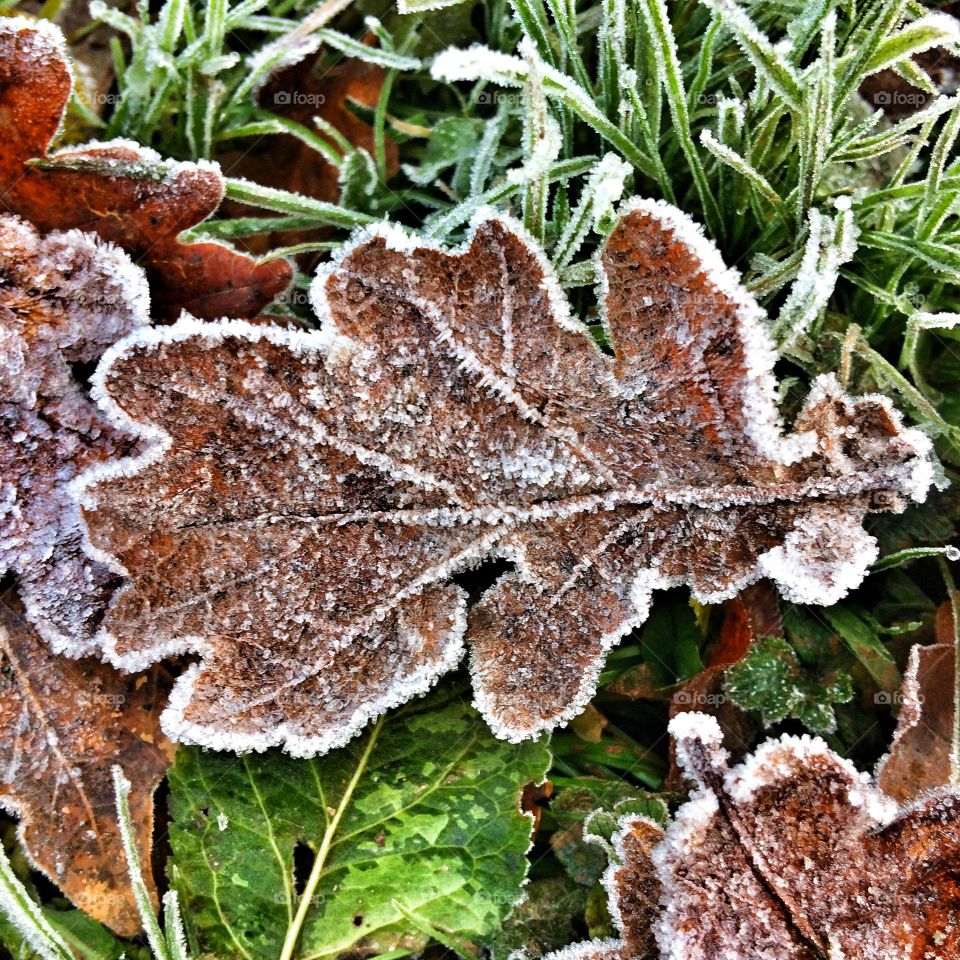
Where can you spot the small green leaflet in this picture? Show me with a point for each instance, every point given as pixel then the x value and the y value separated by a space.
pixel 772 679
pixel 433 826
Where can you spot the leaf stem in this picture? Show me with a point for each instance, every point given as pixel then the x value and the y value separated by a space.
pixel 306 898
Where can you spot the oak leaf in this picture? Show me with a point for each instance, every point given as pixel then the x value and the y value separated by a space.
pixel 120 190
pixel 63 725
pixel 794 854
pixel 307 497
pixel 64 298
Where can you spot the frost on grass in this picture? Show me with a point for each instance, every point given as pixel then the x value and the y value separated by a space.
pixel 63 725
pixel 64 299
pixel 794 855
pixel 306 497
pixel 124 192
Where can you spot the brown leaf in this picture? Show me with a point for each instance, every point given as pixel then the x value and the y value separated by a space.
pixel 753 613
pixel 124 192
pixel 534 798
pixel 63 725
pixel 64 298
pixel 795 855
pixel 308 496
pixel 919 758
pixel 634 892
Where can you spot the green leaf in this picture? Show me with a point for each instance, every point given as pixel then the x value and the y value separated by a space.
pixel 771 680
pixel 671 640
pixel 428 817
pixel 866 646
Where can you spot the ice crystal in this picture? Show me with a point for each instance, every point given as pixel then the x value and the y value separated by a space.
pixel 306 497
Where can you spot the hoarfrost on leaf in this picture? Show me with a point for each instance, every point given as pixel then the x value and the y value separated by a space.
pixel 306 497
pixel 64 299
pixel 63 725
pixel 794 854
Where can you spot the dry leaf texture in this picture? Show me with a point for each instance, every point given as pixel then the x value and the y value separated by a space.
pixel 122 191
pixel 794 855
pixel 64 299
pixel 63 725
pixel 306 497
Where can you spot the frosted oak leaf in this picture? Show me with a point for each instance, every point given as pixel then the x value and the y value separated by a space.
pixel 793 854
pixel 120 190
pixel 307 497
pixel 64 299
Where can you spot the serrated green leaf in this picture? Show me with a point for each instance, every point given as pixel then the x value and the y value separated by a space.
pixel 433 823
pixel 771 680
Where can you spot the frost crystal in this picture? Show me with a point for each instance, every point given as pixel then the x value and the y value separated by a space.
pixel 63 300
pixel 305 498
pixel 794 855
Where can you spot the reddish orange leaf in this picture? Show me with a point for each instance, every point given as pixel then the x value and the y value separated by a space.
pixel 308 496
pixel 124 192
pixel 63 726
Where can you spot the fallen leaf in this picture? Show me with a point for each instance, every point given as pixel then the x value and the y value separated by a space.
pixel 64 298
pixel 794 854
pixel 750 616
pixel 63 725
pixel 124 192
pixel 634 893
pixel 534 798
pixel 920 755
pixel 753 613
pixel 307 497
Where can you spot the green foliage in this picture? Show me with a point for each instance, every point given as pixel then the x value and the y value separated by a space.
pixel 772 680
pixel 432 832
